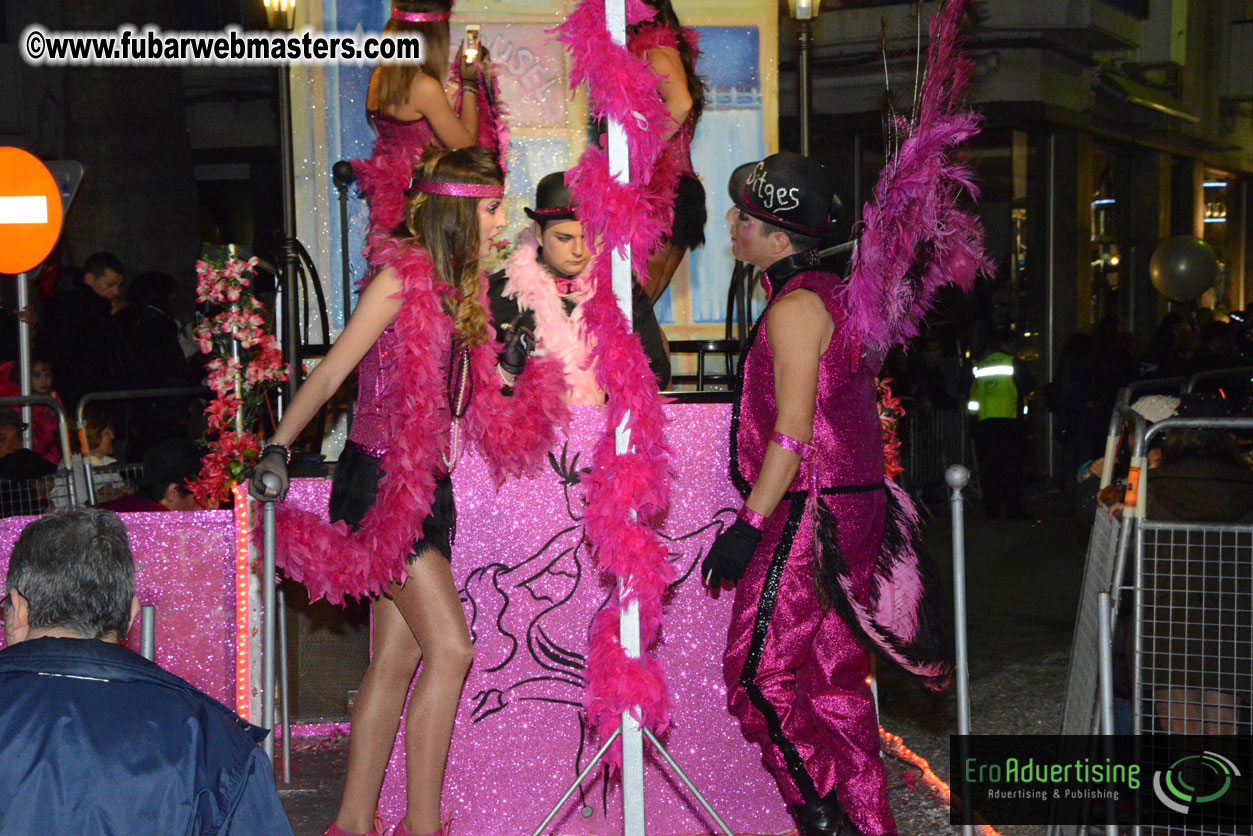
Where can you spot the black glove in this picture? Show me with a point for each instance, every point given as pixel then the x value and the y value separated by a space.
pixel 519 343
pixel 273 463
pixel 729 555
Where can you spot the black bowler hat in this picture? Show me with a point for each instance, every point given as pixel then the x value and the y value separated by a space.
pixel 553 201
pixel 788 190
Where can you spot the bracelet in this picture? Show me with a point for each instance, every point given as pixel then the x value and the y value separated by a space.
pixel 275 446
pixel 748 515
pixel 469 86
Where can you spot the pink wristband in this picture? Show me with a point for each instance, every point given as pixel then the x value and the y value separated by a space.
pixel 751 517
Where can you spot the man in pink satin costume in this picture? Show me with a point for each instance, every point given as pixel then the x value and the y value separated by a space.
pixel 815 574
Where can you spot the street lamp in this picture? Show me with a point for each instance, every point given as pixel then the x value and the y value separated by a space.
pixel 804 12
pixel 281 16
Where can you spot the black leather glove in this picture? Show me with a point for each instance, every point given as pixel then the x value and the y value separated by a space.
pixel 729 555
pixel 273 463
pixel 519 343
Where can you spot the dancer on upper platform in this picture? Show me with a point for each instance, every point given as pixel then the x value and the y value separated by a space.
pixel 672 50
pixel 429 386
pixel 545 282
pixel 409 107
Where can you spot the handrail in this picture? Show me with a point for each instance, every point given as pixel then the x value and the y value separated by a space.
pixel 1217 374
pixel 62 425
pixel 122 395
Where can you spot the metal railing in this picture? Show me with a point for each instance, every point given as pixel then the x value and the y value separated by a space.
pixel 122 395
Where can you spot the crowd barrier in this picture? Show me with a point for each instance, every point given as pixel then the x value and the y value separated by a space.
pixel 1169 602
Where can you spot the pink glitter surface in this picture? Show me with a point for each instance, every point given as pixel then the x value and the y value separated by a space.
pixel 185 567
pixel 530 589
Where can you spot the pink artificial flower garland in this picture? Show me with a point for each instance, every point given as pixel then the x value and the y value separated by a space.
pixel 624 492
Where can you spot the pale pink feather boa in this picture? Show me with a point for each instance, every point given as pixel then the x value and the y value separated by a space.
pixel 512 433
pixel 531 284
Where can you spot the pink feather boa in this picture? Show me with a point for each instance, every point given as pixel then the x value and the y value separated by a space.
pixel 534 289
pixel 385 176
pixel 915 208
pixel 512 433
pixel 625 493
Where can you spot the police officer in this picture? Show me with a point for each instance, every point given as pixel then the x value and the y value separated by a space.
pixel 998 398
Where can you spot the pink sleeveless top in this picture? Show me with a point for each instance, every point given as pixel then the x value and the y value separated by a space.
pixel 369 423
pixel 847 435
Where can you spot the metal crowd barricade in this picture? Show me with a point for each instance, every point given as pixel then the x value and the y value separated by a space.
pixel 34 496
pixel 932 444
pixel 121 395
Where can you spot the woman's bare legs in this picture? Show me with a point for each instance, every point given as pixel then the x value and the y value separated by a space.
pixel 432 608
pixel 423 620
pixel 661 269
pixel 376 714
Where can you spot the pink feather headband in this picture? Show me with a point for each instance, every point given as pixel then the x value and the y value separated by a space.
pixel 420 17
pixel 460 189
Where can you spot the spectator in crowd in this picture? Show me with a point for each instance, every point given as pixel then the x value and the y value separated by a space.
pixel 168 465
pixel 1166 353
pixel 1000 390
pixel 45 428
pixel 80 336
pixel 151 332
pixel 98 436
pixel 95 740
pixel 21 492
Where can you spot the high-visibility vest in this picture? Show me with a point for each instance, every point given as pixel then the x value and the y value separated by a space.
pixel 994 393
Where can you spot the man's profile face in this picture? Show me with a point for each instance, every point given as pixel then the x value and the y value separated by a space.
pixel 106 286
pixel 10 439
pixel 566 252
pixel 747 241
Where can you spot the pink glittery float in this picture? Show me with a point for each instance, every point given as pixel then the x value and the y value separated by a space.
pixel 185 567
pixel 530 589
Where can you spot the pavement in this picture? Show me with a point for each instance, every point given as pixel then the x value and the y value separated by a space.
pixel 1022 589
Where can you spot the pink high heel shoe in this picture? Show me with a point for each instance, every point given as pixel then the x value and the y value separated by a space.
pixel 333 829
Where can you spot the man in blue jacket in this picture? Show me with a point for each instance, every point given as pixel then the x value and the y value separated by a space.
pixel 94 739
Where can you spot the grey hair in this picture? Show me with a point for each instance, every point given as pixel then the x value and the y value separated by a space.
pixel 76 572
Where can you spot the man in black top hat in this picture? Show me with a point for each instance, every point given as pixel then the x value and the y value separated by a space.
pixel 545 282
pixel 807 550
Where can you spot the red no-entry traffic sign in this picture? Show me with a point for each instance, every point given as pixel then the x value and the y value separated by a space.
pixel 30 211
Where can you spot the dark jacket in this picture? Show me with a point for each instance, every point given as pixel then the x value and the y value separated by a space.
pixel 97 741
pixel 82 340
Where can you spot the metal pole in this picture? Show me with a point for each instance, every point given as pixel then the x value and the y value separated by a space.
pixel 804 34
pixel 342 175
pixel 1106 650
pixel 957 477
pixel 582 776
pixel 284 683
pixel 290 324
pixel 148 632
pixel 688 782
pixel 23 354
pixel 267 618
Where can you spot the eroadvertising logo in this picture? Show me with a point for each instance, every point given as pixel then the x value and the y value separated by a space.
pixel 1080 779
pixel 1175 785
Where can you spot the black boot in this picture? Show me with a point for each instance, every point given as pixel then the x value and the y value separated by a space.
pixel 825 817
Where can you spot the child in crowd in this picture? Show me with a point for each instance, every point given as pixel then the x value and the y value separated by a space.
pixel 45 438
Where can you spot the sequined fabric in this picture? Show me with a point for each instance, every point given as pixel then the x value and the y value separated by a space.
pixel 795 673
pixel 369 423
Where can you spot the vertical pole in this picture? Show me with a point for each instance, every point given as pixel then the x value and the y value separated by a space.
pixel 148 632
pixel 290 322
pixel 267 621
pixel 1106 650
pixel 629 623
pixel 804 33
pixel 23 354
pixel 957 477
pixel 283 684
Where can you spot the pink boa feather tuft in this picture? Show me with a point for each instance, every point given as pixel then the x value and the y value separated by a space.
pixel 513 434
pixel 624 491
pixel 916 237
